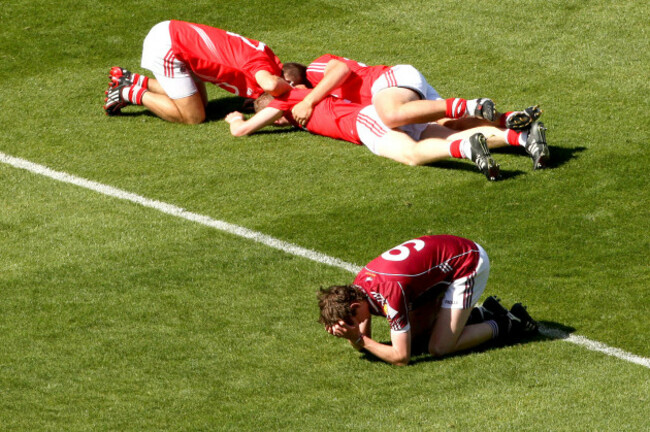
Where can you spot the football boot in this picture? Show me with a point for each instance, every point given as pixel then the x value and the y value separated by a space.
pixel 536 145
pixel 520 120
pixel 484 109
pixel 525 324
pixel 480 155
pixel 120 75
pixel 114 102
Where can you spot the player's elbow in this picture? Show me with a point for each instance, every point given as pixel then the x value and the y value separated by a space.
pixel 273 85
pixel 341 67
pixel 402 361
pixel 238 131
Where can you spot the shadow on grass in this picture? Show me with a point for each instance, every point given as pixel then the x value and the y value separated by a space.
pixel 469 166
pixel 216 109
pixel 548 331
pixel 559 155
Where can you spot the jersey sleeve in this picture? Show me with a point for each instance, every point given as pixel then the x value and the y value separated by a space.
pixel 395 309
pixel 316 69
pixel 282 105
pixel 386 298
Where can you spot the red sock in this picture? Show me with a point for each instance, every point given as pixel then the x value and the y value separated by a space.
pixel 454 149
pixel 456 107
pixel 133 94
pixel 514 138
pixel 503 118
pixel 141 80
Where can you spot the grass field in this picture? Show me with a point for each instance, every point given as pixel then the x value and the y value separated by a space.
pixel 115 316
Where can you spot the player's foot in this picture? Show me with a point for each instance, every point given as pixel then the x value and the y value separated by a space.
pixel 484 109
pixel 512 324
pixel 480 155
pixel 493 305
pixel 119 75
pixel 536 145
pixel 526 324
pixel 520 120
pixel 114 102
pixel 478 315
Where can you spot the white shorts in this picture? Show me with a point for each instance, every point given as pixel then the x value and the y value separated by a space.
pixel 463 293
pixel 372 130
pixel 405 76
pixel 157 56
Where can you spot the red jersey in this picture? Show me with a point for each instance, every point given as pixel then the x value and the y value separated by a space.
pixel 223 58
pixel 356 87
pixel 332 117
pixel 398 279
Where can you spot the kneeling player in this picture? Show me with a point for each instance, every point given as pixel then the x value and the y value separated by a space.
pixel 183 56
pixel 426 288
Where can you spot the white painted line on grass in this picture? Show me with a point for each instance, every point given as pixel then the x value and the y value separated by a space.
pixel 178 212
pixel 271 242
pixel 594 346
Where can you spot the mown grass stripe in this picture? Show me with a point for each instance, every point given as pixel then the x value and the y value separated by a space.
pixel 272 242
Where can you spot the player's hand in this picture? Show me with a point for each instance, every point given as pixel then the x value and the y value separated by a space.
pixel 346 331
pixel 301 112
pixel 233 116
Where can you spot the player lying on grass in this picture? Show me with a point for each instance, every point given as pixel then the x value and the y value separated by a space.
pixel 336 118
pixel 427 289
pixel 401 96
pixel 183 56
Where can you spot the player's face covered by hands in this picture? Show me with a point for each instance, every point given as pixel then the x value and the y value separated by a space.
pixel 347 329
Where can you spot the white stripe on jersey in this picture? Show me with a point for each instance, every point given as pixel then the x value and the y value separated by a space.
pixel 206 39
pixel 426 271
pixel 317 67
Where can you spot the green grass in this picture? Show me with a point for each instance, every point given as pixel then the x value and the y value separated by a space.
pixel 117 317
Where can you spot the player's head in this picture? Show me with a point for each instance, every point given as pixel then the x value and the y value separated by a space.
pixel 336 303
pixel 295 73
pixel 262 102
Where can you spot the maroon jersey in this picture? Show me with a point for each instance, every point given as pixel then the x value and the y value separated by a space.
pixel 332 117
pixel 400 278
pixel 356 87
pixel 223 58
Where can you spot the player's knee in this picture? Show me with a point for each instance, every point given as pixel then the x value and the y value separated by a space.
pixel 391 118
pixel 411 157
pixel 438 349
pixel 194 118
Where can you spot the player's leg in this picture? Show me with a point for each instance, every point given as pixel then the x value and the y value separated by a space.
pixel 471 144
pixel 402 148
pixel 398 106
pixel 403 96
pixel 398 145
pixel 175 95
pixel 533 139
pixel 450 332
pixel 187 110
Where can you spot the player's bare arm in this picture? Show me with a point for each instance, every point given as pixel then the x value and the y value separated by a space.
pixel 398 353
pixel 358 333
pixel 335 73
pixel 239 126
pixel 272 84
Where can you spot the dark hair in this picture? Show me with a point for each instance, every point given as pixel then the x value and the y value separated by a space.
pixel 295 73
pixel 334 303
